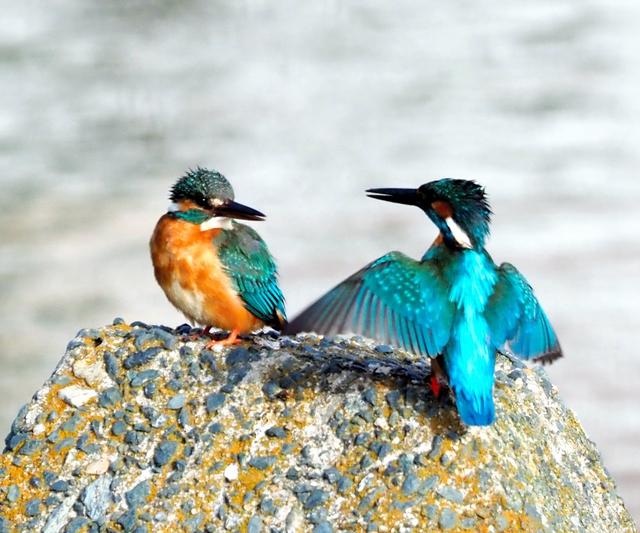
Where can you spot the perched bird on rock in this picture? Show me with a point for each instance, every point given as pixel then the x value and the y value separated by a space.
pixel 218 272
pixel 455 305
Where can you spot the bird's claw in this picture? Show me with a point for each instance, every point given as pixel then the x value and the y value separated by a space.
pixel 224 342
pixel 195 335
pixel 231 340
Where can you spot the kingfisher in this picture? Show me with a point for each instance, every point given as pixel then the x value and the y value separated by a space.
pixel 454 305
pixel 218 272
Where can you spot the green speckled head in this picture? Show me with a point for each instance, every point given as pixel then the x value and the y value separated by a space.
pixel 213 197
pixel 201 186
pixel 468 201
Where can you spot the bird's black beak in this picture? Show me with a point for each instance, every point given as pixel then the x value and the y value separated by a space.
pixel 231 209
pixel 397 196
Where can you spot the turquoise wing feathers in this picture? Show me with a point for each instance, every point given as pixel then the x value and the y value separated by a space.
pixel 516 318
pixel 253 271
pixel 394 300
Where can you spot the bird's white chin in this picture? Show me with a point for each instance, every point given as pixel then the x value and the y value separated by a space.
pixel 216 223
pixel 458 233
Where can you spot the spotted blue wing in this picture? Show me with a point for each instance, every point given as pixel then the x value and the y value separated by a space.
pixel 253 271
pixel 395 300
pixel 516 318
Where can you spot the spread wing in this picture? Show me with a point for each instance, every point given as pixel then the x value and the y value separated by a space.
pixel 394 300
pixel 249 264
pixel 515 317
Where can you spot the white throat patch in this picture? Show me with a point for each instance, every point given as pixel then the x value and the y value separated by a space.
pixel 173 207
pixel 216 223
pixel 458 233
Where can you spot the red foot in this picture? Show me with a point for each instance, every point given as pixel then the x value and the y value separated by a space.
pixel 435 386
pixel 229 341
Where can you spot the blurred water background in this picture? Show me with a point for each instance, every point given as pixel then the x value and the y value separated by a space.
pixel 303 105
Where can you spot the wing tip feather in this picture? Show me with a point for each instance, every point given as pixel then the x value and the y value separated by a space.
pixel 549 357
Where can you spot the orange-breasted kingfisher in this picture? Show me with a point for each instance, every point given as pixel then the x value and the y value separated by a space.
pixel 455 305
pixel 218 272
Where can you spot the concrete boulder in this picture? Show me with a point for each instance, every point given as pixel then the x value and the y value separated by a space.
pixel 140 428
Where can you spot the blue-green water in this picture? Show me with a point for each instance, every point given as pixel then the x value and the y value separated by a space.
pixel 304 105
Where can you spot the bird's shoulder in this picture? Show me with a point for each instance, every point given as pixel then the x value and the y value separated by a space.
pixel 511 284
pixel 242 248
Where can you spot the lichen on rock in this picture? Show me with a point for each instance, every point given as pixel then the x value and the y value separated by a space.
pixel 140 428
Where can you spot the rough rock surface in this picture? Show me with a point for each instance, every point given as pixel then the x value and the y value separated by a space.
pixel 139 429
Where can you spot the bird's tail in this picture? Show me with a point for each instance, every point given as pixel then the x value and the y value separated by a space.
pixel 475 406
pixel 470 367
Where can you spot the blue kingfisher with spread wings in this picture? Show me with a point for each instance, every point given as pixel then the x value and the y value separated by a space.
pixel 218 272
pixel 455 305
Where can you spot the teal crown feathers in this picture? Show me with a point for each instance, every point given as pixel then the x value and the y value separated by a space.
pixel 200 185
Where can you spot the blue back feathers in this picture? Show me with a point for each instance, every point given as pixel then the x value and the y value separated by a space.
pixel 469 359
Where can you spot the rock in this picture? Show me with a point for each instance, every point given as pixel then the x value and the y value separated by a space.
pixel 255 524
pixel 176 402
pixel 13 493
pixel 93 373
pixel 231 472
pixel 96 498
pixel 138 494
pixel 448 519
pixel 142 431
pixel 164 452
pixel 214 402
pixel 76 395
pixel 98 467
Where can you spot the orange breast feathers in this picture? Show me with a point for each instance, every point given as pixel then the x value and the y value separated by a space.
pixel 188 269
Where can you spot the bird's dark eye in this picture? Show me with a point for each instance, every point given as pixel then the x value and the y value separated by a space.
pixel 202 202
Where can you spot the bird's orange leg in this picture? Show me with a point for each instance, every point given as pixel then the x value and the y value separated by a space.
pixel 435 386
pixel 229 341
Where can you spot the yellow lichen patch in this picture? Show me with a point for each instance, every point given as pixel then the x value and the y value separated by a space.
pixel 53 401
pixel 19 476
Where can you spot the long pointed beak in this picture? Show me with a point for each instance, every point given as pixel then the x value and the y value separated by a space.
pixel 397 196
pixel 231 209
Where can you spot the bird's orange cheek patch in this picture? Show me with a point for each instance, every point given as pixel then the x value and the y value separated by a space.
pixel 442 208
